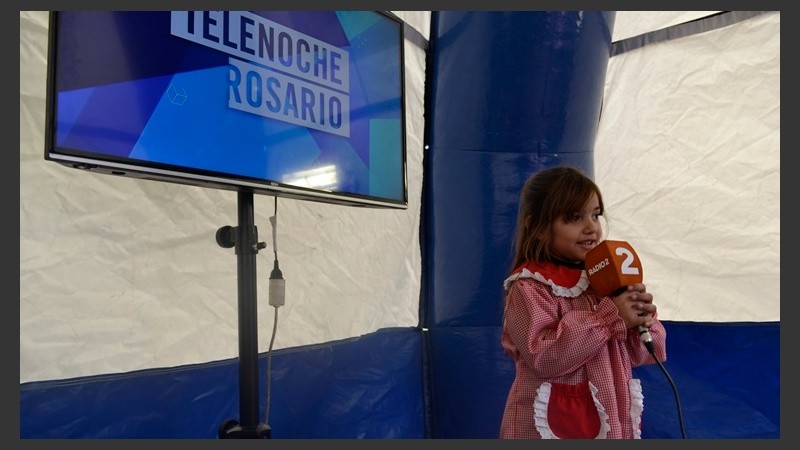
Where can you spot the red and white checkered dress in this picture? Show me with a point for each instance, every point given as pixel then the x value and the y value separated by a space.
pixel 573 358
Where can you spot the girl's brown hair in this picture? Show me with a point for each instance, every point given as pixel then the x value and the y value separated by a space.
pixel 547 195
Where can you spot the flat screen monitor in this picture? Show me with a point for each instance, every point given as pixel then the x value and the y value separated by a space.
pixel 300 104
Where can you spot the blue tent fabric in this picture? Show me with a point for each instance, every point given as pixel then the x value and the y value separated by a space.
pixel 361 388
pixel 727 378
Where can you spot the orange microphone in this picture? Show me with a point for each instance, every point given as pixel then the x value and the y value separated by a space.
pixel 611 267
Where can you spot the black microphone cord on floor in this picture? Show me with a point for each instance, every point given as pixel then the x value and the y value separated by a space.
pixel 651 349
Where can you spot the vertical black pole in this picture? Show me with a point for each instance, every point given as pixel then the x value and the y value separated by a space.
pixel 246 249
pixel 245 238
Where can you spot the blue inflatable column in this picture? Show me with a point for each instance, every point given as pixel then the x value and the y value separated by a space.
pixel 511 93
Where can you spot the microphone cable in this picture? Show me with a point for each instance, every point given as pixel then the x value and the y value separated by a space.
pixel 651 349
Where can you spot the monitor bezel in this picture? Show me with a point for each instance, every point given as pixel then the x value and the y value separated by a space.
pixel 138 169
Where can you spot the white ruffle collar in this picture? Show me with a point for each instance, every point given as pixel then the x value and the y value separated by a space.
pixel 565 281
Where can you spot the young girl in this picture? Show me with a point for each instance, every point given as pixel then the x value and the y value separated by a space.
pixel 573 349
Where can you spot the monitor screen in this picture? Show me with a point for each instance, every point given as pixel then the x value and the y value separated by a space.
pixel 299 104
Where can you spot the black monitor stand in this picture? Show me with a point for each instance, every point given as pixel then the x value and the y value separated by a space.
pixel 245 238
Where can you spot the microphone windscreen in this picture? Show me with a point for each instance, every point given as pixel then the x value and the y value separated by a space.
pixel 612 265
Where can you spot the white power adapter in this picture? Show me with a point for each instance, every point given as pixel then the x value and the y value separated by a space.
pixel 277 285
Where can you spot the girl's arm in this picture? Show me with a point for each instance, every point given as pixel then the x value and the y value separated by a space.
pixel 553 342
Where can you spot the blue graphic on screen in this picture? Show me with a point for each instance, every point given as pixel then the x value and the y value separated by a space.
pixel 209 99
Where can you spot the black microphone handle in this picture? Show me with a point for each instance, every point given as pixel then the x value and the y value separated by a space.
pixel 647 340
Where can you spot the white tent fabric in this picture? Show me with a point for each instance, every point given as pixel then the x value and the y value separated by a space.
pixel 121 274
pixel 688 158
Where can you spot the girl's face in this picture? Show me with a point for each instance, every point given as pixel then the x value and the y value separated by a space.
pixel 574 237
